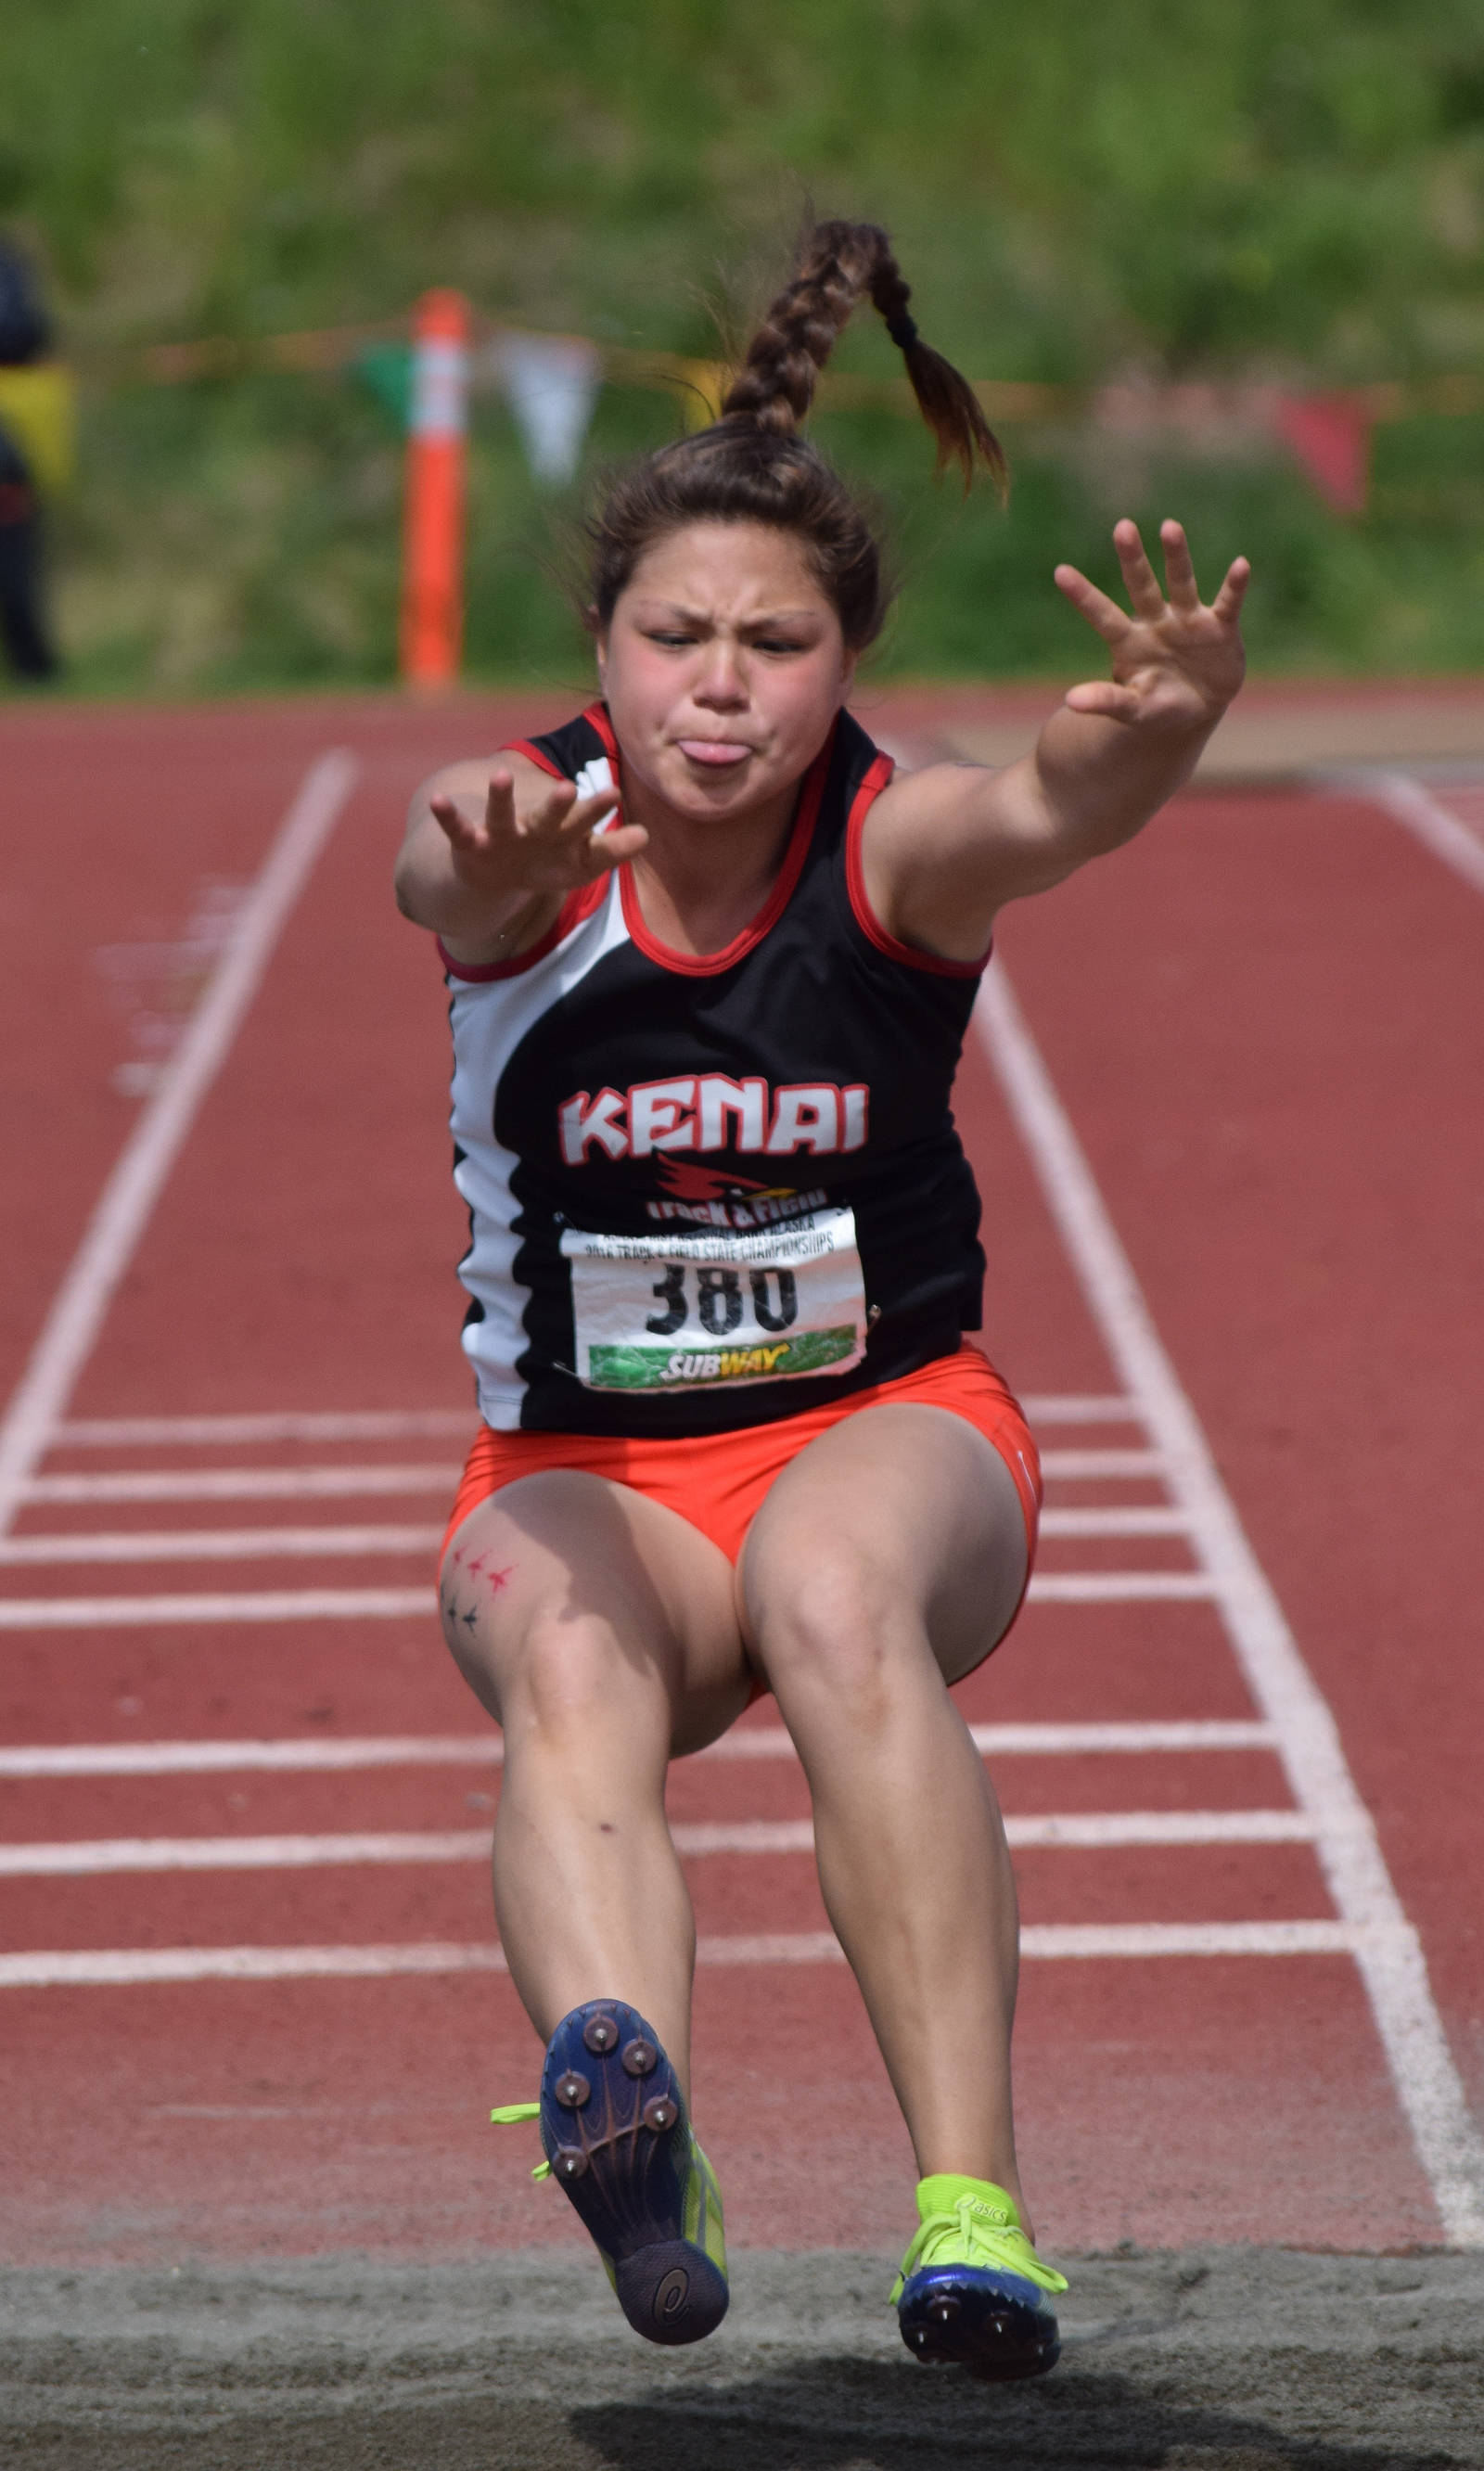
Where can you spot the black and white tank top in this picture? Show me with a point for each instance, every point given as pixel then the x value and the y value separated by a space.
pixel 708 1191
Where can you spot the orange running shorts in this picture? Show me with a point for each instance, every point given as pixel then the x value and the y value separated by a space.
pixel 718 1480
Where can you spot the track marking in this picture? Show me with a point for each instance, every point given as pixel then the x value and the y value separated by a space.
pixel 128 1196
pixel 1120 1587
pixel 94 1857
pixel 396 1604
pixel 1068 1407
pixel 1115 1522
pixel 287 1484
pixel 264 1543
pixel 1077 1465
pixel 1386 1946
pixel 1433 824
pixel 97 1968
pixel 271 1604
pixel 377 1425
pixel 166 1432
pixel 220 1543
pixel 240 1484
pixel 486 1750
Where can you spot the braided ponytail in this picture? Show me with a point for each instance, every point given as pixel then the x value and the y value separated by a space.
pixel 840 264
pixel 752 466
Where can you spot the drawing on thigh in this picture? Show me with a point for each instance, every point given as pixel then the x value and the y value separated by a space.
pixel 481 1575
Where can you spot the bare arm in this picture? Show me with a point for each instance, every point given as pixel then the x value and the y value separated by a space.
pixel 946 848
pixel 492 850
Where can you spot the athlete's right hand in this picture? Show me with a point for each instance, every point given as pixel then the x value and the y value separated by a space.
pixel 542 840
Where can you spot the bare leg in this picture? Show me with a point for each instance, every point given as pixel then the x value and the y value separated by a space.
pixel 600 1630
pixel 884 1562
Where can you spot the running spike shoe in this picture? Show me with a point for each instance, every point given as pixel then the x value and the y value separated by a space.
pixel 617 2139
pixel 972 2288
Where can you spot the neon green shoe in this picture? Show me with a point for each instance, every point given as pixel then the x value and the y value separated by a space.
pixel 617 2139
pixel 972 2288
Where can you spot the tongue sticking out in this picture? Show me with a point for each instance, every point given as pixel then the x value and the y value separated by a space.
pixel 713 751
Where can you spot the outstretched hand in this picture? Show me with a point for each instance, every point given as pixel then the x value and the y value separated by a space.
pixel 545 843
pixel 1176 663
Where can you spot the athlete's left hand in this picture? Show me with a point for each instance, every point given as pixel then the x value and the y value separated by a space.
pixel 1176 663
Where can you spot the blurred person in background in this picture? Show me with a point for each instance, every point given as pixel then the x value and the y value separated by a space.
pixel 25 338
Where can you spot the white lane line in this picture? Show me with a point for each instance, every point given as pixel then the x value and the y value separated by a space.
pixel 269 1543
pixel 287 1484
pixel 397 1603
pixel 221 1544
pixel 138 1177
pixel 88 1967
pixel 1078 1464
pixel 168 1432
pixel 213 1758
pixel 1120 1587
pixel 268 1604
pixel 1433 824
pixel 1387 1948
pixel 1077 1830
pixel 1067 1407
pixel 485 1750
pixel 240 1484
pixel 378 1425
pixel 93 1857
pixel 1119 1520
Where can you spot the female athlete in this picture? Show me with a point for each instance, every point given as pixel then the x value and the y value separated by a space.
pixel 712 958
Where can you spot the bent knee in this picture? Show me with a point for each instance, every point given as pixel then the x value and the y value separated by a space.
pixel 837 1625
pixel 568 1674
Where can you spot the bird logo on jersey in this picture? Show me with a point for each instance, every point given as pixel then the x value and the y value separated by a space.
pixel 710 1196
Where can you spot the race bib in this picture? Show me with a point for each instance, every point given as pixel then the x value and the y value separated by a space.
pixel 685 1312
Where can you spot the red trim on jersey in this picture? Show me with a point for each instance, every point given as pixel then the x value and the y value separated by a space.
pixel 865 797
pixel 532 755
pixel 577 906
pixel 709 965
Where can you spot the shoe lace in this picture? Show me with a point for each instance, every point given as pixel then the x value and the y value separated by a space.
pixel 971 2234
pixel 515 2114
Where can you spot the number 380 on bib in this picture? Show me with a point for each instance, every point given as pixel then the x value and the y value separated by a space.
pixel 668 1314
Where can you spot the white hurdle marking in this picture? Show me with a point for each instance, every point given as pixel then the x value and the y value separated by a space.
pixel 398 1604
pixel 1122 1520
pixel 268 1604
pixel 1387 1948
pixel 1119 1588
pixel 84 1967
pixel 486 1750
pixel 1076 1463
pixel 223 1432
pixel 397 1423
pixel 218 1544
pixel 1068 1407
pixel 1078 1830
pixel 240 1484
pixel 128 1196
pixel 269 1543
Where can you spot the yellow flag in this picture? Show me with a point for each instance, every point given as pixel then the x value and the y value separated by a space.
pixel 39 406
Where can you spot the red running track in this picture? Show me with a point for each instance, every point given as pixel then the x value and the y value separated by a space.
pixel 1263 1022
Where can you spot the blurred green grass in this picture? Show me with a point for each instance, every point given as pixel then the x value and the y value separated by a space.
pixel 242 535
pixel 1286 188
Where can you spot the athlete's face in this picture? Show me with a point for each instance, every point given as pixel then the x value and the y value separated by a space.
pixel 723 667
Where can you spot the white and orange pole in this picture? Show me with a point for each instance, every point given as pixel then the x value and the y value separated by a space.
pixel 432 619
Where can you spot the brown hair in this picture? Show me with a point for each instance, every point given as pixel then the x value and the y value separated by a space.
pixel 752 466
